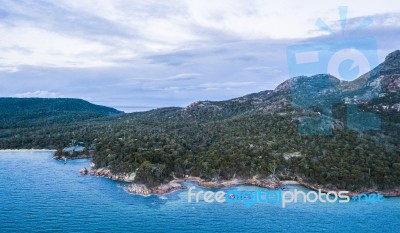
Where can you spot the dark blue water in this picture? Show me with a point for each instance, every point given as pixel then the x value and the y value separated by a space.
pixel 39 194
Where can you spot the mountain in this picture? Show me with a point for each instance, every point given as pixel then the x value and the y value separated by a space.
pixel 28 112
pixel 324 130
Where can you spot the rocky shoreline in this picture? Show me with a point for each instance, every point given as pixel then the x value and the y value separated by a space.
pixel 393 193
pixel 104 172
pixel 159 190
pixel 264 183
pixel 137 188
pixel 176 183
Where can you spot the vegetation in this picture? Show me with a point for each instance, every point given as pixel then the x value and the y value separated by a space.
pixel 174 141
pixel 252 135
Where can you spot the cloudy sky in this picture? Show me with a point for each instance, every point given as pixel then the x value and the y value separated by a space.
pixel 138 55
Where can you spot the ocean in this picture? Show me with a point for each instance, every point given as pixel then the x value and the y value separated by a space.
pixel 40 194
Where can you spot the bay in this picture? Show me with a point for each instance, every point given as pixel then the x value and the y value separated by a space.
pixel 40 194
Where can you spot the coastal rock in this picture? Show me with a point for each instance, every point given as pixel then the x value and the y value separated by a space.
pixel 130 177
pixel 142 189
pixel 269 183
pixel 84 171
pixel 167 188
pixel 104 172
pixel 139 189
pixel 316 187
pixel 265 183
pixel 210 184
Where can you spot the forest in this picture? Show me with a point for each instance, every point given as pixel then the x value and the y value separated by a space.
pixel 258 134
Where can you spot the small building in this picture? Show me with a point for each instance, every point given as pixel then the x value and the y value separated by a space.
pixel 72 149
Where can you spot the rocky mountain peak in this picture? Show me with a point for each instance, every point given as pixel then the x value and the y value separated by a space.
pixel 392 60
pixel 390 72
pixel 393 56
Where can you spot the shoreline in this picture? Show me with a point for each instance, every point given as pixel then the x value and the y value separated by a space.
pixel 176 184
pixel 314 187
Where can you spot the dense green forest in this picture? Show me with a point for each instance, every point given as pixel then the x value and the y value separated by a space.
pixel 257 134
pixel 29 112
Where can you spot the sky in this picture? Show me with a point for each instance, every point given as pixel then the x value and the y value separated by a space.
pixel 140 55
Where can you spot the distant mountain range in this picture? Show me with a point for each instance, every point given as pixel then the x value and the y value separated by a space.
pixel 28 112
pixel 335 133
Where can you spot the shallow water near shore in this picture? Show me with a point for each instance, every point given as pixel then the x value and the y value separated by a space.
pixel 39 193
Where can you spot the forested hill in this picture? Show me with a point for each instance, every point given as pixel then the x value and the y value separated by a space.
pixel 28 112
pixel 327 131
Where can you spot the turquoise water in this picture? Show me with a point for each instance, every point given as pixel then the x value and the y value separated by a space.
pixel 39 194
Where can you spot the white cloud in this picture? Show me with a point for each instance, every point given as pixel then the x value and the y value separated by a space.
pixel 260 19
pixel 184 76
pixel 8 69
pixel 227 85
pixel 38 94
pixel 256 68
pixel 151 27
pixel 45 48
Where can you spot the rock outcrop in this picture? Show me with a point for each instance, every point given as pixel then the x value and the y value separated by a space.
pixel 84 171
pixel 104 172
pixel 265 183
pixel 141 189
pixel 210 184
pixel 268 183
pixel 167 188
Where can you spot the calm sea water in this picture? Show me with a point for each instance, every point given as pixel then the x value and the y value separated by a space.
pixel 39 194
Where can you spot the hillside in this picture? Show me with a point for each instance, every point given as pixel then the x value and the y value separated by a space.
pixel 28 112
pixel 326 131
